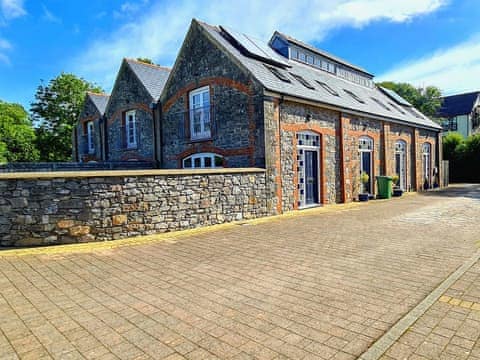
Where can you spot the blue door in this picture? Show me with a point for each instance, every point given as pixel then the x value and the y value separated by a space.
pixel 366 167
pixel 311 177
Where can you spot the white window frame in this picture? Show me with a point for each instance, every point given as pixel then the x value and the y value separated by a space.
pixel 204 110
pixel 202 157
pixel 131 132
pixel 427 162
pixel 90 139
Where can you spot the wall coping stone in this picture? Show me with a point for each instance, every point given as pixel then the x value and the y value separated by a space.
pixel 126 173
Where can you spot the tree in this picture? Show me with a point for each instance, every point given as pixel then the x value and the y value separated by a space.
pixel 17 136
pixel 56 111
pixel 427 99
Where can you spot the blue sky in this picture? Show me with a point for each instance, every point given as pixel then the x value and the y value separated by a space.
pixel 425 42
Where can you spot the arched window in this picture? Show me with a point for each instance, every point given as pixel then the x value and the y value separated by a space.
pixel 203 160
pixel 365 149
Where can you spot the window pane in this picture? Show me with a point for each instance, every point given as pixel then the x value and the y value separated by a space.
pixel 208 162
pixel 197 163
pixel 187 163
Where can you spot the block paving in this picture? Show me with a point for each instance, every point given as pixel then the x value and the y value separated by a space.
pixel 318 285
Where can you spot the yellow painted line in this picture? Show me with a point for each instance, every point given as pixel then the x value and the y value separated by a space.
pixel 174 235
pixel 459 302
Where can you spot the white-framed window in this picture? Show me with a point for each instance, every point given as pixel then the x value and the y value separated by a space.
pixel 131 129
pixel 203 160
pixel 90 138
pixel 200 125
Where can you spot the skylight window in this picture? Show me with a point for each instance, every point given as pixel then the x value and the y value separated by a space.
pixel 380 103
pixel 302 81
pixel 396 107
pixel 327 88
pixel 279 74
pixel 413 112
pixel 353 95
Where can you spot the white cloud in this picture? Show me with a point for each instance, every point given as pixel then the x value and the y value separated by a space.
pixel 454 70
pixel 49 16
pixel 158 32
pixel 11 9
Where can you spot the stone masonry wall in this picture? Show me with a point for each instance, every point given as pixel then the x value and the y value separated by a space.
pixel 236 106
pixel 82 208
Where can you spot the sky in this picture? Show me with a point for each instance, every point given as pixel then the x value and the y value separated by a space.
pixel 423 42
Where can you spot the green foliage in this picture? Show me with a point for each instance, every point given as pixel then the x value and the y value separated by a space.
pixel 364 178
pixel 427 100
pixel 450 143
pixel 464 157
pixel 17 134
pixel 395 179
pixel 3 152
pixel 56 110
pixel 146 60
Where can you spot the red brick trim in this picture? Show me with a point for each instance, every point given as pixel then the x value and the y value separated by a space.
pixel 208 147
pixel 219 81
pixel 119 112
pixel 295 128
pixel 88 118
pixel 278 154
pixel 344 123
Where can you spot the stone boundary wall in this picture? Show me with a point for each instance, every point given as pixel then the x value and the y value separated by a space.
pixel 66 207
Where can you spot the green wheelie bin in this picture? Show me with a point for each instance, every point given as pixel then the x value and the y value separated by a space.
pixel 384 187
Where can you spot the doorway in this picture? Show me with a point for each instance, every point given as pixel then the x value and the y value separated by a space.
pixel 308 169
pixel 401 163
pixel 365 148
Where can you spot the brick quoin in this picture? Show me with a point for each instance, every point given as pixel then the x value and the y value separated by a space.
pixel 277 148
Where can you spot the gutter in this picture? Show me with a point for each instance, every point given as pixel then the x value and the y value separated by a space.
pixel 349 110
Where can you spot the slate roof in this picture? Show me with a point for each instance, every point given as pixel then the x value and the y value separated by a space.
pixel 319 52
pixel 99 100
pixel 260 71
pixel 153 77
pixel 460 104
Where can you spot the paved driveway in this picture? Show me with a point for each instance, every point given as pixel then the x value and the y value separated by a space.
pixel 321 285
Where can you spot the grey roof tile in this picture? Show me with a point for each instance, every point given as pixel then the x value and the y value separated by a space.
pixel 99 100
pixel 460 104
pixel 320 95
pixel 153 77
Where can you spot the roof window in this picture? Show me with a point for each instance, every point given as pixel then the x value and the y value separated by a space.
pixel 396 107
pixel 380 103
pixel 327 88
pixel 353 95
pixel 279 74
pixel 302 81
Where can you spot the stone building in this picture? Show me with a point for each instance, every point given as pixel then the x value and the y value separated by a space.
pixel 121 127
pixel 313 121
pixel 131 111
pixel 89 133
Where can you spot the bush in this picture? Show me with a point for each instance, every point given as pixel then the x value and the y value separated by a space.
pixel 464 157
